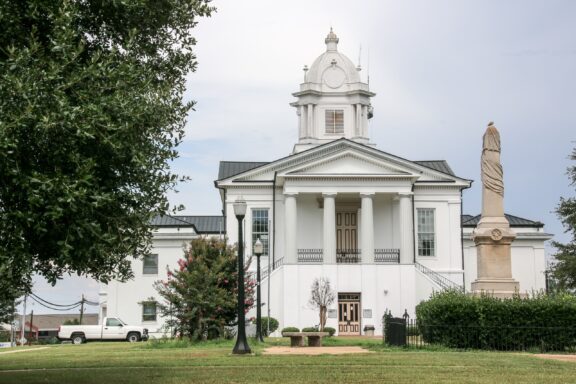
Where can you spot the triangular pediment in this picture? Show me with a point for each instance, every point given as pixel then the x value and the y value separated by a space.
pixel 347 163
pixel 342 157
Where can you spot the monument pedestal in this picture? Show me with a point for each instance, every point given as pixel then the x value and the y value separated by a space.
pixel 493 237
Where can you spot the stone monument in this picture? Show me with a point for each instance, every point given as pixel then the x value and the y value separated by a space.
pixel 493 235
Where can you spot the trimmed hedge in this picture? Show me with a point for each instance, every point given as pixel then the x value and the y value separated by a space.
pixel 290 329
pixel 310 329
pixel 331 331
pixel 458 320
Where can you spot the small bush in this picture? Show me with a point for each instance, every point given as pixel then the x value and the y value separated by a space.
pixel 331 331
pixel 273 325
pixel 290 329
pixel 310 329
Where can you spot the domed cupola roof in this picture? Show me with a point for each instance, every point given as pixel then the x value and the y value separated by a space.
pixel 332 70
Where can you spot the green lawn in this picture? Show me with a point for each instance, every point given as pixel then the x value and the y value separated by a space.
pixel 113 363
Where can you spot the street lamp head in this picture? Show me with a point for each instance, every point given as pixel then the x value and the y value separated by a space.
pixel 239 207
pixel 258 247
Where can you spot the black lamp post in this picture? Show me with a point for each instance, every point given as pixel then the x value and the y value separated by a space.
pixel 241 346
pixel 258 250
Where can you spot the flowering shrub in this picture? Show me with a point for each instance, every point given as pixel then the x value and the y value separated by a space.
pixel 200 295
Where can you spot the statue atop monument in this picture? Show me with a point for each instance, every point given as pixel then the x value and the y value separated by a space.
pixel 493 235
pixel 492 177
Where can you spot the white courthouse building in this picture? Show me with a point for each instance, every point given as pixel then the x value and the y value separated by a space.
pixel 386 231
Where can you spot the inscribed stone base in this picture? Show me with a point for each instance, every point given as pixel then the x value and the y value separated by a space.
pixel 500 288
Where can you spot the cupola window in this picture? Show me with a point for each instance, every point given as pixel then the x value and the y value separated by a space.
pixel 334 121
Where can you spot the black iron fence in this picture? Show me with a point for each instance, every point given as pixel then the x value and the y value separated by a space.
pixel 412 333
pixel 348 256
pixel 310 255
pixel 387 255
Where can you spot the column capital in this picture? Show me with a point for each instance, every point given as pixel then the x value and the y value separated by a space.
pixel 329 194
pixel 290 194
pixel 367 194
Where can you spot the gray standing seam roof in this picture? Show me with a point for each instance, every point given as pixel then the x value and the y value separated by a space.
pixel 437 165
pixel 515 221
pixel 231 168
pixel 202 224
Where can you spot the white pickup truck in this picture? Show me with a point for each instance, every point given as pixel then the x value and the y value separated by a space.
pixel 112 328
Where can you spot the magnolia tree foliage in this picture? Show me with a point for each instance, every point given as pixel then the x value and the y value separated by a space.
pixel 200 296
pixel 91 111
pixel 564 269
pixel 321 297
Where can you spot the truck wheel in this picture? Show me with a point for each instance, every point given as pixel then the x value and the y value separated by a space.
pixel 133 337
pixel 78 338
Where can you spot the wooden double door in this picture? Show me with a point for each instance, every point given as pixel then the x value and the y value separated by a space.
pixel 348 314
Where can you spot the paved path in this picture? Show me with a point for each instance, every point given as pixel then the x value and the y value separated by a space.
pixel 22 350
pixel 313 350
pixel 571 358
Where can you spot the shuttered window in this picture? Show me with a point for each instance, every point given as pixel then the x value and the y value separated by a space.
pixel 334 121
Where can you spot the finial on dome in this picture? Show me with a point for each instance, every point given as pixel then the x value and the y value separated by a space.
pixel 331 41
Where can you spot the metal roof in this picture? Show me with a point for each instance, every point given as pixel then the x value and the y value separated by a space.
pixel 202 224
pixel 515 221
pixel 437 165
pixel 231 168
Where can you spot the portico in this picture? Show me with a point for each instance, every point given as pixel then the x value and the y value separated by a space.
pixel 348 227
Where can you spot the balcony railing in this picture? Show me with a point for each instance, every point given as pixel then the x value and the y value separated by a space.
pixel 309 255
pixel 387 256
pixel 348 256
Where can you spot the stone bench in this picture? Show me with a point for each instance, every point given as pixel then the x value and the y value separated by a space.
pixel 297 338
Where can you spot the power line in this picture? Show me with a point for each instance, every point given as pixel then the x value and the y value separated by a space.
pixel 54 304
pixel 53 308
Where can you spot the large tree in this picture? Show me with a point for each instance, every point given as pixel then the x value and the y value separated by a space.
pixel 91 111
pixel 200 296
pixel 564 270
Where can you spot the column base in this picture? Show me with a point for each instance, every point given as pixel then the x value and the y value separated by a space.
pixel 500 288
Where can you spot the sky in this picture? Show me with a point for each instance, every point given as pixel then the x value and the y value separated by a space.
pixel 441 70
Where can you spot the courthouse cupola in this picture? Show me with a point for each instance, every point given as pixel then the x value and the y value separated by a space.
pixel 332 101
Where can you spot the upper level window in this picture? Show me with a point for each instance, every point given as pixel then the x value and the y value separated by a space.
pixel 260 228
pixel 426 235
pixel 334 121
pixel 150 265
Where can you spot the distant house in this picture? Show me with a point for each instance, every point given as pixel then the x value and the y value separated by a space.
pixel 386 231
pixel 46 326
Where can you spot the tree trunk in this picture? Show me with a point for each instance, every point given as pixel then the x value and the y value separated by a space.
pixel 322 317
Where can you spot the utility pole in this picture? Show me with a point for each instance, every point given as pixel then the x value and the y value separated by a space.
pixel 81 309
pixel 23 321
pixel 31 325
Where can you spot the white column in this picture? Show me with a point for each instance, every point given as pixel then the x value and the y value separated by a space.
pixel 406 229
pixel 303 121
pixel 290 222
pixel 310 125
pixel 367 241
pixel 329 225
pixel 364 121
pixel 358 127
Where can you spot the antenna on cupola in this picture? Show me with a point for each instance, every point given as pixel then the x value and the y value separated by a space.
pixel 368 69
pixel 359 66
